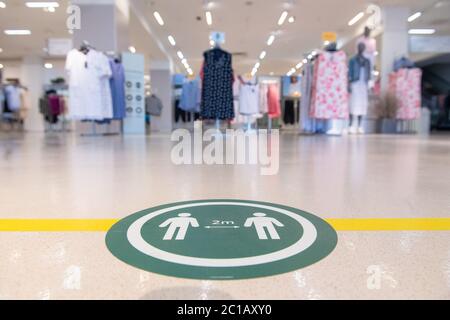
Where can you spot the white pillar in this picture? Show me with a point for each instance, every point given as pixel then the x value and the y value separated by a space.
pixel 161 86
pixel 32 77
pixel 394 40
pixel 104 24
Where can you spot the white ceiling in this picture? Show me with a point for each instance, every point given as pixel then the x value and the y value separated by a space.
pixel 247 24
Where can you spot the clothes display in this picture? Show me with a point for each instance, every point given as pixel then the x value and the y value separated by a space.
pixel 307 124
pixel 249 99
pixel 153 105
pixel 329 98
pixel 117 84
pixel 190 96
pixel 217 85
pixel 238 118
pixel 51 106
pixel 12 97
pixel 89 87
pixel 273 100
pixel 263 98
pixel 405 89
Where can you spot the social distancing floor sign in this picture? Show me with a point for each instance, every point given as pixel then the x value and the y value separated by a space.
pixel 221 239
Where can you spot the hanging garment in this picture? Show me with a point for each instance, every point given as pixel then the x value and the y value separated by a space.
pixel 405 88
pixel 263 98
pixel 2 99
pixel 249 99
pixel 190 96
pixel 89 91
pixel 104 75
pixel 359 97
pixel 84 87
pixel 117 84
pixel 238 118
pixel 12 96
pixel 56 105
pixel 273 101
pixel 329 98
pixel 289 112
pixel 307 124
pixel 217 85
pixel 153 105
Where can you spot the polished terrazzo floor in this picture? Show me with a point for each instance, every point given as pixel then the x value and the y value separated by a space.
pixel 61 176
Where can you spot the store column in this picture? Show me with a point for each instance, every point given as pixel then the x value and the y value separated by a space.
pixel 104 24
pixel 161 86
pixel 32 77
pixel 394 40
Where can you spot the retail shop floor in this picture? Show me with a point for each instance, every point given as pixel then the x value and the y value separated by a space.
pixel 59 176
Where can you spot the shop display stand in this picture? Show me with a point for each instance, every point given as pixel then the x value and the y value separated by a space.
pixel 94 132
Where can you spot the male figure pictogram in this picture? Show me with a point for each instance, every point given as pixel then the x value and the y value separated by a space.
pixel 182 223
pixel 261 221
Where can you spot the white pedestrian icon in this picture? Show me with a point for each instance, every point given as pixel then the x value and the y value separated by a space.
pixel 182 223
pixel 261 221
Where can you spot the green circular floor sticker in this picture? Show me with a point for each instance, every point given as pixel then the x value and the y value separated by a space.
pixel 221 239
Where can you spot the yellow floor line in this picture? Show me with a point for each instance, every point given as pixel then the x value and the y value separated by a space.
pixel 344 224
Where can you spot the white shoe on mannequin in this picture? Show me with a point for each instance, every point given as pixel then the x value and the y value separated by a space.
pixel 353 130
pixel 361 130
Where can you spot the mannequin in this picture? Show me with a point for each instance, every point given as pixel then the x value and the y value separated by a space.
pixel 359 76
pixel 370 46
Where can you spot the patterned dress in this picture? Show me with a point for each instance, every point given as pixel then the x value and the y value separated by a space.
pixel 405 86
pixel 329 98
pixel 217 88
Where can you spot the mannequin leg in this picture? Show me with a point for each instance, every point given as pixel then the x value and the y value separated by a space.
pixel 360 127
pixel 353 124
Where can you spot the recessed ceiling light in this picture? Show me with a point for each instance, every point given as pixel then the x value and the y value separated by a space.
pixel 270 40
pixel 282 18
pixel 1 66
pixel 132 49
pixel 291 19
pixel 180 55
pixel 305 61
pixel 1 50
pixel 262 55
pixel 51 9
pixel 356 18
pixel 17 32
pixel 421 31
pixel 2 5
pixel 292 70
pixel 48 66
pixel 299 65
pixel 158 18
pixel 47 4
pixel 172 40
pixel 414 16
pixel 257 65
pixel 208 18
